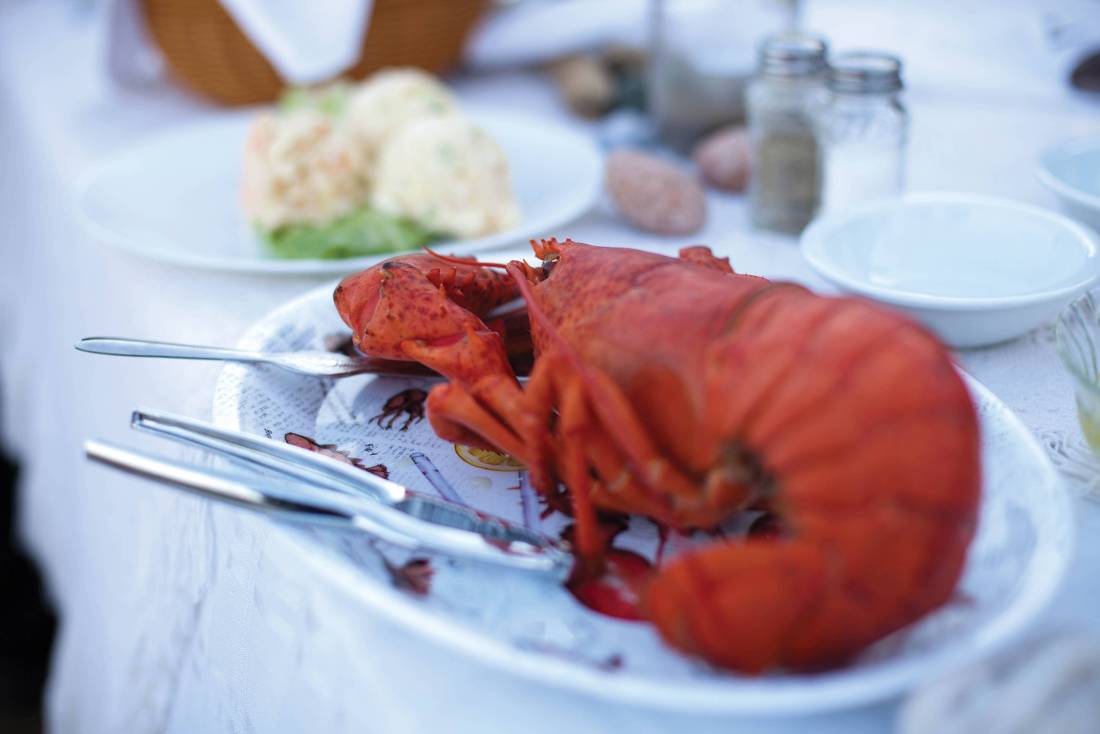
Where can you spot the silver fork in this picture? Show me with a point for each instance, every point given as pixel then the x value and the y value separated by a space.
pixel 314 363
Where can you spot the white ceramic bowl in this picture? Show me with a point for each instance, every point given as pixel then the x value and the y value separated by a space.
pixel 976 270
pixel 1072 171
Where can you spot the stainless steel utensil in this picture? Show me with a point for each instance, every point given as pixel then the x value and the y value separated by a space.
pixel 304 487
pixel 314 363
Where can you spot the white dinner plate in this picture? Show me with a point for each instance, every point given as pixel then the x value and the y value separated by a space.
pixel 176 196
pixel 538 632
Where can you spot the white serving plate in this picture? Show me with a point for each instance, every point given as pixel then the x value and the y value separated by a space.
pixel 976 270
pixel 537 633
pixel 175 197
pixel 1072 171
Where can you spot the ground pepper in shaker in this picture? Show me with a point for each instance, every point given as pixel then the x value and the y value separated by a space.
pixel 863 129
pixel 782 101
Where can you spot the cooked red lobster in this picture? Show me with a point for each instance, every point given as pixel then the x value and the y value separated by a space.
pixel 677 389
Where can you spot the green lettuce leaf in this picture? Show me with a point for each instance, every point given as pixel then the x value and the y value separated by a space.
pixel 365 231
pixel 328 99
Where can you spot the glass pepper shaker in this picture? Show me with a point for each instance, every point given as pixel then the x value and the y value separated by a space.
pixel 863 128
pixel 782 101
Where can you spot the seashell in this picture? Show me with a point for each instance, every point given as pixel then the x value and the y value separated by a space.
pixel 723 159
pixel 585 83
pixel 654 195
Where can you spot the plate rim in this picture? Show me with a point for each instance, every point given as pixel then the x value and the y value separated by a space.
pixel 584 201
pixel 822 693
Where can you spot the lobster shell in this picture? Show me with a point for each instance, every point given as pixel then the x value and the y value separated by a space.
pixel 677 389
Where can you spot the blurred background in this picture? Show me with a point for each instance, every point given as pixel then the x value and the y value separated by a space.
pixel 671 78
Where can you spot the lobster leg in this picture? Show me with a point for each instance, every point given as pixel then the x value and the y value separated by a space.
pixel 496 413
pixel 656 476
pixel 586 447
pixel 575 420
pixel 460 418
pixel 577 437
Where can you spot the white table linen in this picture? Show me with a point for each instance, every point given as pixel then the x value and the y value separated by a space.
pixel 182 617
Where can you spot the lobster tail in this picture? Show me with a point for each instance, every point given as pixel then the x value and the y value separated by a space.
pixel 860 435
pixel 810 601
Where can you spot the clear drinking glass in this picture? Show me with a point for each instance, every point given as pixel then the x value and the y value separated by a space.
pixel 701 59
pixel 1077 337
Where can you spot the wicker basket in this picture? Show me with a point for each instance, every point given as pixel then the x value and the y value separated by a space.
pixel 207 52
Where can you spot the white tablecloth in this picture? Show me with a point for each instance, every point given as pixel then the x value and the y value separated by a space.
pixel 180 617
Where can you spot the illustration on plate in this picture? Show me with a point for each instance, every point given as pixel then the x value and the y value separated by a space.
pixel 435 478
pixel 486 459
pixel 408 403
pixel 330 450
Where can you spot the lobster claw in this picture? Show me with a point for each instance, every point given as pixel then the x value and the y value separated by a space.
pixel 429 309
pixel 465 357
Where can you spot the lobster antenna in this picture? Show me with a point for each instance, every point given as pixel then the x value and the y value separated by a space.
pixel 460 261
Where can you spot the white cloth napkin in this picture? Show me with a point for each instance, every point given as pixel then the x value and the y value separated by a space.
pixel 305 41
pixel 128 54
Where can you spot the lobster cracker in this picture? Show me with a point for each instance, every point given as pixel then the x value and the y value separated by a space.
pixel 677 389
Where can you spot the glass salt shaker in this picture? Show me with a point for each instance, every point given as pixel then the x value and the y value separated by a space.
pixel 782 102
pixel 863 128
